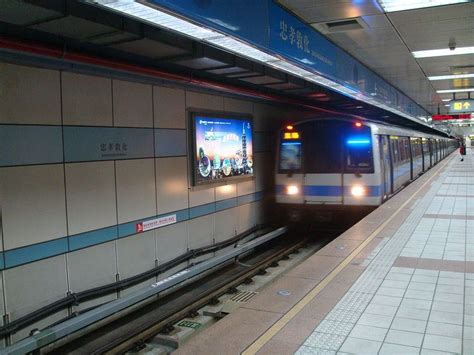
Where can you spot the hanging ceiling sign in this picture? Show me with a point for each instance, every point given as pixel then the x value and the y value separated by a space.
pixel 466 105
pixel 466 116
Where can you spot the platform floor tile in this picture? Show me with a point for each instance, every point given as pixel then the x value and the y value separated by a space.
pixel 426 307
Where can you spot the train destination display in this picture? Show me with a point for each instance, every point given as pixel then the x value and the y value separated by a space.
pixel 223 148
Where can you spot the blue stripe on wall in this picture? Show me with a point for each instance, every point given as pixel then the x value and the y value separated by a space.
pixel 25 145
pixel 99 143
pixel 170 142
pixel 226 204
pixel 88 239
pixel 202 210
pixel 35 252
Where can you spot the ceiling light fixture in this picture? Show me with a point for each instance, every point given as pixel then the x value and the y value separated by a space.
pixel 452 76
pixel 400 5
pixel 446 100
pixel 454 90
pixel 443 52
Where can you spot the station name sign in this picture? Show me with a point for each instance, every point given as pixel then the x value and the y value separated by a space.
pixel 466 116
pixel 465 105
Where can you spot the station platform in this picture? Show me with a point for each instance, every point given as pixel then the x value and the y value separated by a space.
pixel 401 281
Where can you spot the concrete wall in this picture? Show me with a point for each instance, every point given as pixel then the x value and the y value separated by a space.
pixel 83 158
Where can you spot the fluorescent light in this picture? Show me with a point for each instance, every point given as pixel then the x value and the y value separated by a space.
pixel 443 52
pixel 447 105
pixel 289 68
pixel 240 48
pixel 454 90
pixel 446 100
pixel 400 5
pixel 159 18
pixel 453 76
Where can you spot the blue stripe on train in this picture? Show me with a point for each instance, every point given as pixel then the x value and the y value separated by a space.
pixel 330 191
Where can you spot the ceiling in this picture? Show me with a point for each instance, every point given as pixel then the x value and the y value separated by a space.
pixel 385 41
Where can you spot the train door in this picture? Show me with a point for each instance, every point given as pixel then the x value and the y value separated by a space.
pixel 430 146
pixel 323 162
pixel 385 166
pixel 411 156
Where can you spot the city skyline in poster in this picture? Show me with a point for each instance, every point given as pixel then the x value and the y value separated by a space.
pixel 223 148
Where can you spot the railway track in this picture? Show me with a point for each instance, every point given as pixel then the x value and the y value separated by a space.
pixel 136 328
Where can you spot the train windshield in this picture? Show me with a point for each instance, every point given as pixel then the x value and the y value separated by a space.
pixel 290 156
pixel 358 151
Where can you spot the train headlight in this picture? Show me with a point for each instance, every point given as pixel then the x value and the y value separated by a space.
pixel 292 190
pixel 358 191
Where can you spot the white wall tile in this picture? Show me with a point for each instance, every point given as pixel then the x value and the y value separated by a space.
pixel 226 224
pixel 133 105
pixel 171 241
pixel 87 100
pixel 172 184
pixel 29 95
pixel 90 190
pixel 33 204
pixel 267 117
pixel 136 195
pixel 246 187
pixel 169 107
pixel 31 286
pixel 92 267
pixel 226 191
pixel 201 196
pixel 238 106
pixel 245 217
pixel 136 254
pixel 201 231
pixel 259 212
pixel 205 101
pixel 264 170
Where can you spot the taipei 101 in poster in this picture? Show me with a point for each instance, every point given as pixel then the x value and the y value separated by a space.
pixel 223 148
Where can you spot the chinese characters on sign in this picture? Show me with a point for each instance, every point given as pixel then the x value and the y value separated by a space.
pixel 466 105
pixel 113 149
pixel 301 41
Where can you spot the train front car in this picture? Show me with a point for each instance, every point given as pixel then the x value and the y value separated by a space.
pixel 326 166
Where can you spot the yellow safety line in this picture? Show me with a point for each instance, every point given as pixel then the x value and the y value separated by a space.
pixel 276 327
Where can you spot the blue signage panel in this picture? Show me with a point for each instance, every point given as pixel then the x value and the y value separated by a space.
pixel 267 25
pixel 101 143
pixel 296 40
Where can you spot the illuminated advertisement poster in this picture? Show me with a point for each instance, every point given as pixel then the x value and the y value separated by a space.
pixel 223 148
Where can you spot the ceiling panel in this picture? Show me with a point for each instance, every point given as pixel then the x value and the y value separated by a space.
pixel 149 48
pixel 386 43
pixel 328 10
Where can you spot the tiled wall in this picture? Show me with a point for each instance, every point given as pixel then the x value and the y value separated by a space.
pixel 83 158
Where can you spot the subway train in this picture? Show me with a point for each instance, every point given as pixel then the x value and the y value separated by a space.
pixel 342 164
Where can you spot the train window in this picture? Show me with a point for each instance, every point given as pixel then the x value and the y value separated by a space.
pixel 395 153
pixel 358 151
pixel 322 153
pixel 290 156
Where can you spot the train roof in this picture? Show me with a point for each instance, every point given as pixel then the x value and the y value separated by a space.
pixel 383 128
